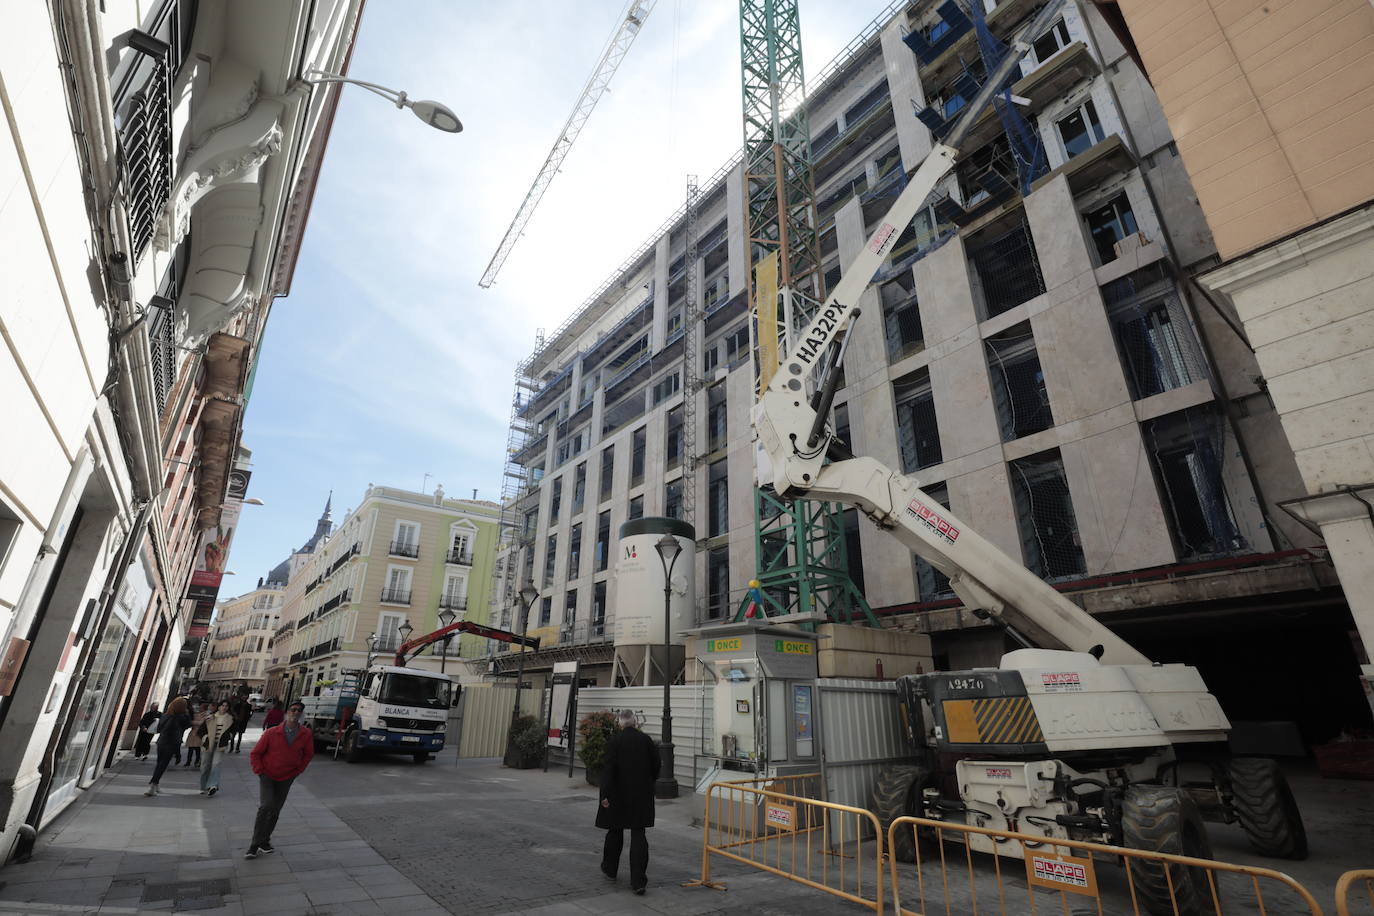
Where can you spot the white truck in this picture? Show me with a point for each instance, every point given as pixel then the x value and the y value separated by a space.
pixel 395 709
pixel 1079 734
pixel 384 709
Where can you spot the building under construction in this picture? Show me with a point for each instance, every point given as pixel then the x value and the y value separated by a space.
pixel 1035 354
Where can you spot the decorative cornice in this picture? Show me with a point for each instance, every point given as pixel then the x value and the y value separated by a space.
pixel 1283 256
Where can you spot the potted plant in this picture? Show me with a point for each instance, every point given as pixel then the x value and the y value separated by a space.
pixel 527 744
pixel 596 729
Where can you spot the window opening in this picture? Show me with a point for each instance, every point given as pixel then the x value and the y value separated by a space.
pixel 931 584
pixel 1080 130
pixel 918 433
pixel 1045 516
pixel 1007 268
pixel 1109 224
pixel 1018 383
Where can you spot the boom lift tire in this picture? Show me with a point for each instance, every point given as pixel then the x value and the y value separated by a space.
pixel 895 795
pixel 1165 819
pixel 1266 808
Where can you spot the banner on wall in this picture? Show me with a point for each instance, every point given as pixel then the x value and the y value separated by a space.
pixel 212 554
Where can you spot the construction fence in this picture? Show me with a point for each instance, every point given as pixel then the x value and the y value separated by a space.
pixel 780 826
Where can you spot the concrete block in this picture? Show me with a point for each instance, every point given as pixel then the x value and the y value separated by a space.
pixel 870 639
pixel 833 663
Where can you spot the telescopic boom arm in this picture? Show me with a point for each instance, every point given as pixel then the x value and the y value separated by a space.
pixel 791 415
pixel 412 648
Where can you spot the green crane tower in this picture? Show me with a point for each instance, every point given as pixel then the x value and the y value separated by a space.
pixel 800 544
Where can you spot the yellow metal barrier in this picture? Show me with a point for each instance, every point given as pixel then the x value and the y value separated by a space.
pixel 1063 876
pixel 831 847
pixel 1346 882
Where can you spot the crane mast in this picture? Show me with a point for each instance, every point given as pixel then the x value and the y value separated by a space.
pixel 630 24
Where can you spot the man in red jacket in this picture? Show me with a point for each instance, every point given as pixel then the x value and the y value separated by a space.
pixel 281 754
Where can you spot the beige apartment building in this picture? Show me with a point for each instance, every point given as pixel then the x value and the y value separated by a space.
pixel 238 654
pixel 400 558
pixel 1272 108
pixel 1035 353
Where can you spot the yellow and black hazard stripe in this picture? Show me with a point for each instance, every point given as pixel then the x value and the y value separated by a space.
pixel 992 720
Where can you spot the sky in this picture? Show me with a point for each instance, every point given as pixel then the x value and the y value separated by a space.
pixel 387 364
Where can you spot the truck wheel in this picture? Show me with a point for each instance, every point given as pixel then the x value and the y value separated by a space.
pixel 1164 819
pixel 350 750
pixel 896 794
pixel 1266 808
pixel 421 756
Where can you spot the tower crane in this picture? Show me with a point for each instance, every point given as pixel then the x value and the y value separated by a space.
pixel 630 24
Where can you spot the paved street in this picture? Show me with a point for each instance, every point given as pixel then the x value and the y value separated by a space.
pixel 387 836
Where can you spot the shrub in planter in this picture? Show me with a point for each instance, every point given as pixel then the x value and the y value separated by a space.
pixel 597 729
pixel 528 743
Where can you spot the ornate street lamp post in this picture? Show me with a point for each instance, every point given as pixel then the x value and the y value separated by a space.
pixel 666 785
pixel 528 595
pixel 405 629
pixel 371 642
pixel 446 618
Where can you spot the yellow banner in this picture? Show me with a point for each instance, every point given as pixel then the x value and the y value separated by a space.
pixel 766 310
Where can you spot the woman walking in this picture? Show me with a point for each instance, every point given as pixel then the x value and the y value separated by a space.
pixel 196 737
pixel 169 730
pixel 274 715
pixel 217 732
pixel 144 742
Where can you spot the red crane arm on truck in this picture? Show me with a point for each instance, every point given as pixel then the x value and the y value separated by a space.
pixel 413 647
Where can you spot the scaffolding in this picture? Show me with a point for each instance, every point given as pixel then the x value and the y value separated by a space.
pixel 512 537
pixel 801 560
pixel 691 361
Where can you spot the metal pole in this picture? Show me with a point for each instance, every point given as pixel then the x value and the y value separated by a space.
pixel 666 784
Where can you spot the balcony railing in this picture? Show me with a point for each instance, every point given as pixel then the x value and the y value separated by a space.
pixel 387 644
pixel 396 596
pixel 404 549
pixel 348 555
pixel 453 603
pixel 459 557
pixel 162 350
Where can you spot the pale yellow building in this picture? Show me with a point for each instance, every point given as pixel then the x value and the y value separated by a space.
pixel 399 558
pixel 238 654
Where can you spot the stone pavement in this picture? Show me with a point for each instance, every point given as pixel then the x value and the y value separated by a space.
pixel 116 851
pixel 383 836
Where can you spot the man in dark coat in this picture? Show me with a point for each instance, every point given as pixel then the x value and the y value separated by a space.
pixel 627 799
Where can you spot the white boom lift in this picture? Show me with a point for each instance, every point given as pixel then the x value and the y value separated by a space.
pixel 1080 736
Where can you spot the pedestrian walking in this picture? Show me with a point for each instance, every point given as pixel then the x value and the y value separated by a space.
pixel 274 714
pixel 146 730
pixel 218 728
pixel 281 754
pixel 241 712
pixel 169 729
pixel 196 736
pixel 627 799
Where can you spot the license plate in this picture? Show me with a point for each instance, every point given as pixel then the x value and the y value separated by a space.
pixel 410 738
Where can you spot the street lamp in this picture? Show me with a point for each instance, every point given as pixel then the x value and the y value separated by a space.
pixel 371 641
pixel 528 595
pixel 405 629
pixel 666 785
pixel 446 618
pixel 436 115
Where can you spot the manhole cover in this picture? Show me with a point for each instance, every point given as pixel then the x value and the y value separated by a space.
pixel 187 891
